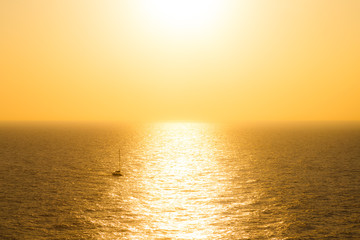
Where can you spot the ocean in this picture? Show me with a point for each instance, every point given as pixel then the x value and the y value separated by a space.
pixel 180 181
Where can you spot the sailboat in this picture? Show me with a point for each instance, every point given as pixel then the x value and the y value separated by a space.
pixel 117 172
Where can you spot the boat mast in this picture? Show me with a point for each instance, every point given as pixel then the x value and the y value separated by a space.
pixel 119 159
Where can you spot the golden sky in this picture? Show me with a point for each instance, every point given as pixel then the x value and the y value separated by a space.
pixel 207 60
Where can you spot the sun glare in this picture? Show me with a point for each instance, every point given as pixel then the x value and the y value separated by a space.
pixel 182 15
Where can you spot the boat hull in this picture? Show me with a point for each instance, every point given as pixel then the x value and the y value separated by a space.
pixel 116 173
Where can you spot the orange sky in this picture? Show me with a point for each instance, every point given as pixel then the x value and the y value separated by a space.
pixel 204 60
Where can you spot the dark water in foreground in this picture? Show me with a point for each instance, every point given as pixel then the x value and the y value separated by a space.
pixel 181 181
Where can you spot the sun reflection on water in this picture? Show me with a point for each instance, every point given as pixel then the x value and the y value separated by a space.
pixel 183 182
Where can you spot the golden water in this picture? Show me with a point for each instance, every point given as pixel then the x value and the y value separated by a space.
pixel 181 181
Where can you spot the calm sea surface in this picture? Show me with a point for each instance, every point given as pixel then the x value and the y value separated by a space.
pixel 181 181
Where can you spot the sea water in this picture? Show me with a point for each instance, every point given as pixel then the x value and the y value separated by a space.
pixel 180 181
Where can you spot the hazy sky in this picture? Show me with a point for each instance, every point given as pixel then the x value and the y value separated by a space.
pixel 208 60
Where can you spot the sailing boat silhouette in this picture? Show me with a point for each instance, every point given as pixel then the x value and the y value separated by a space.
pixel 117 172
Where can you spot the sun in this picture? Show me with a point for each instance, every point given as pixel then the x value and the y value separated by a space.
pixel 182 16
